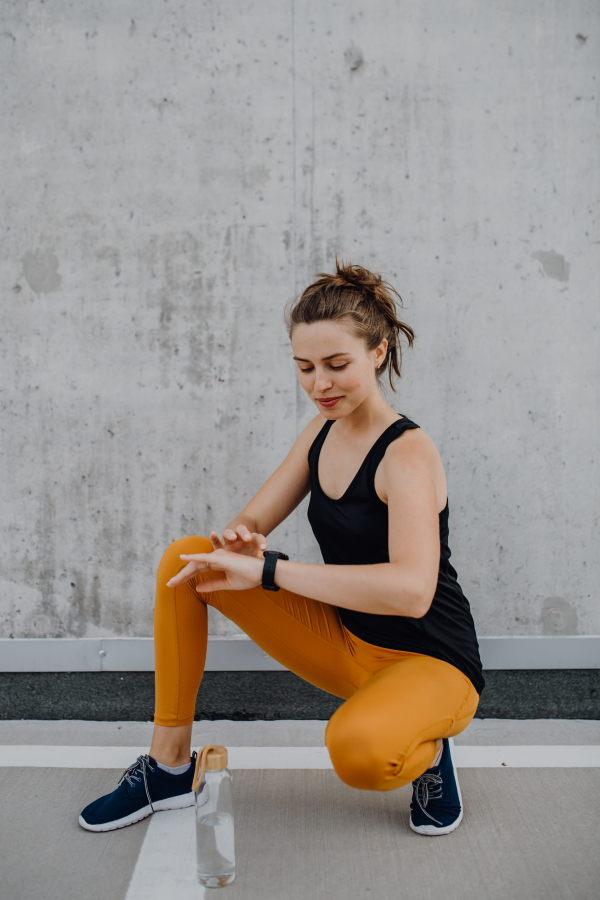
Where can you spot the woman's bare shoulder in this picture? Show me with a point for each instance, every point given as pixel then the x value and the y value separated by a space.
pixel 299 450
pixel 414 452
pixel 310 431
pixel 413 449
pixel 414 441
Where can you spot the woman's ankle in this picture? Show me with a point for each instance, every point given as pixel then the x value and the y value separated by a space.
pixel 171 746
pixel 438 753
pixel 172 760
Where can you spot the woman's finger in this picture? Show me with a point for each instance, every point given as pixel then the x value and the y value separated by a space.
pixel 243 533
pixel 193 567
pixel 216 541
pixel 260 541
pixel 186 573
pixel 204 561
pixel 217 584
pixel 230 536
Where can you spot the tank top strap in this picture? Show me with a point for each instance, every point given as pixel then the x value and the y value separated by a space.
pixel 378 449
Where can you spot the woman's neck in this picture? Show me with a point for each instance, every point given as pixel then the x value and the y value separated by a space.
pixel 373 414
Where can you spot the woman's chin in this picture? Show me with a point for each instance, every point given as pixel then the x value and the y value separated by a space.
pixel 338 411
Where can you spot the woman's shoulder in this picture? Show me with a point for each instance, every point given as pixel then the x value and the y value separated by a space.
pixel 412 442
pixel 414 451
pixel 310 431
pixel 307 436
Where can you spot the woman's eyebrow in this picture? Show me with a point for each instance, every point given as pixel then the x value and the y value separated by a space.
pixel 325 358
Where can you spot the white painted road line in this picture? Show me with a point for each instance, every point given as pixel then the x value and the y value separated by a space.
pixel 121 757
pixel 544 757
pixel 29 755
pixel 54 757
pixel 166 866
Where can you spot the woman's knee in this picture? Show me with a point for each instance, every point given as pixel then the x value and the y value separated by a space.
pixel 171 563
pixel 358 755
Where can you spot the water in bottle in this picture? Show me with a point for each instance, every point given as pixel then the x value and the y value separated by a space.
pixel 215 847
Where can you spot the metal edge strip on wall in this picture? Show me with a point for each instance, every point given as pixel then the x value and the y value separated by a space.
pixel 239 653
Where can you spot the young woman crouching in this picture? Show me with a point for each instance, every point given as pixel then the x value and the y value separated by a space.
pixel 383 623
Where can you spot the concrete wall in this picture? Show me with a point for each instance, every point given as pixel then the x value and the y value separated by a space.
pixel 175 172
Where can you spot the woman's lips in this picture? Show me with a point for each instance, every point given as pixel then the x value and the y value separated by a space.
pixel 328 401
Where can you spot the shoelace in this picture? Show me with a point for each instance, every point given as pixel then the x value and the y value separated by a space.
pixel 428 787
pixel 139 767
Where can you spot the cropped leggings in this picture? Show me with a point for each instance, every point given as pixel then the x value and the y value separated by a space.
pixel 397 703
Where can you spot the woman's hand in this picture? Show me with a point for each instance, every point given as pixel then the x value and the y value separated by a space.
pixel 239 572
pixel 240 540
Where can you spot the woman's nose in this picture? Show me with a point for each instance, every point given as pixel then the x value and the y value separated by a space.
pixel 322 381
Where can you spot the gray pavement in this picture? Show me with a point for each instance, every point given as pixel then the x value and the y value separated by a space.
pixel 44 853
pixel 286 733
pixel 528 834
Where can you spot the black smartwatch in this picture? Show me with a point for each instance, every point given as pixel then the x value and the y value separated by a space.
pixel 268 575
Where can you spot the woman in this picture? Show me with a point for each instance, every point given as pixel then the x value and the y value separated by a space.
pixel 383 624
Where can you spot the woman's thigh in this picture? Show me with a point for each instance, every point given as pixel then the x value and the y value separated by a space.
pixel 304 635
pixel 384 735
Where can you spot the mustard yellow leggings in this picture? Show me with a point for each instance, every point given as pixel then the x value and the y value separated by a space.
pixel 397 703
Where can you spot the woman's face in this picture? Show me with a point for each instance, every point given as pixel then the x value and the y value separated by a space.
pixel 334 366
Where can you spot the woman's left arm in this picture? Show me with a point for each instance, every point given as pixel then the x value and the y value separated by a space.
pixel 406 585
pixel 403 587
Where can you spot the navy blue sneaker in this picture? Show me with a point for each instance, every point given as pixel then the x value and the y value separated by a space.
pixel 436 806
pixel 144 788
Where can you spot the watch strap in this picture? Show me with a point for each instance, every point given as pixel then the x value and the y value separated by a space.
pixel 268 575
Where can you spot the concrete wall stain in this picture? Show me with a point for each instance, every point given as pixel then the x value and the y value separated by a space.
pixel 554 265
pixel 40 270
pixel 558 616
pixel 354 58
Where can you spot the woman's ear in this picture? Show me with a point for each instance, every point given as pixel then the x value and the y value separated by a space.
pixel 381 353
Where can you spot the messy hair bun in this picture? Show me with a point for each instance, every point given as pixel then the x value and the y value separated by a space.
pixel 367 300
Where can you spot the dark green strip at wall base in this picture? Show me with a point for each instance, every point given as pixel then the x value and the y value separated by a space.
pixel 250 696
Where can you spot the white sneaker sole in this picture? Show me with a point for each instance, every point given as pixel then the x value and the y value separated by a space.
pixel 180 802
pixel 434 830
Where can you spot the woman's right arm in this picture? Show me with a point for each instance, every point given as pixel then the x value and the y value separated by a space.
pixel 278 497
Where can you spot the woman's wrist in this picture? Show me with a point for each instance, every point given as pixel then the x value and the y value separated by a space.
pixel 258 565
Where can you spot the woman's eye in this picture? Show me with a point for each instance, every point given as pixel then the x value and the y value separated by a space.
pixel 335 368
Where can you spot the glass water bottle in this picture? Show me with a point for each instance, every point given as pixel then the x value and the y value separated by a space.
pixel 215 850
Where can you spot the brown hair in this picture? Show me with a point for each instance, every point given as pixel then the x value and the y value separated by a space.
pixel 366 299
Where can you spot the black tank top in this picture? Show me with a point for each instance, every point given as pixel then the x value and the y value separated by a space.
pixel 354 531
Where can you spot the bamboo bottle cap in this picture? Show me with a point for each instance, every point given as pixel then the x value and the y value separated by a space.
pixel 211 757
pixel 216 757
